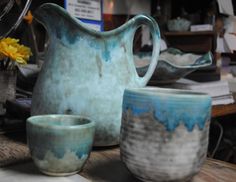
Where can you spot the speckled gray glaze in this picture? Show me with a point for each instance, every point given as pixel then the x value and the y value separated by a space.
pixel 164 133
pixel 60 144
pixel 173 64
pixel 87 71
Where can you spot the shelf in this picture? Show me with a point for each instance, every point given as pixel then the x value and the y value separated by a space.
pixel 188 33
pixel 193 42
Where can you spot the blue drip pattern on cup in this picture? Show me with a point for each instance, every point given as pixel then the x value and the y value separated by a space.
pixel 169 107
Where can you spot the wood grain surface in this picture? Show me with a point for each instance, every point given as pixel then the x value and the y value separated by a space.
pixel 104 165
pixel 223 110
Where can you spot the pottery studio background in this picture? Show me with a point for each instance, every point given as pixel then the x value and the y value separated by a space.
pixel 211 26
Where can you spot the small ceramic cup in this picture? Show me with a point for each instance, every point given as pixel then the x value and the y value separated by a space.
pixel 164 133
pixel 59 144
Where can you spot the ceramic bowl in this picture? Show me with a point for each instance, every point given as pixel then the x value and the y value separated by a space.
pixel 178 25
pixel 164 133
pixel 172 65
pixel 60 144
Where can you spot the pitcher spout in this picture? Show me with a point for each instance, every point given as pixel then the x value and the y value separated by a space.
pixel 57 21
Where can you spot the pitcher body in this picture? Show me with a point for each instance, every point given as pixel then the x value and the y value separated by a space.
pixel 85 72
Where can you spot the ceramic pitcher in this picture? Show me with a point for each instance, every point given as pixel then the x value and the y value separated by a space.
pixel 85 71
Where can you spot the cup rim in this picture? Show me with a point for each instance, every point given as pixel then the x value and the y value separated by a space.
pixel 157 91
pixel 32 120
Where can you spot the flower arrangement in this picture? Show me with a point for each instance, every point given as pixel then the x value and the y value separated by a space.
pixel 12 53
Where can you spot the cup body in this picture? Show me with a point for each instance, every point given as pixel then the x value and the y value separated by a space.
pixel 59 144
pixel 164 133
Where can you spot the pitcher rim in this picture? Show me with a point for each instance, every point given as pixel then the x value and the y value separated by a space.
pixel 92 31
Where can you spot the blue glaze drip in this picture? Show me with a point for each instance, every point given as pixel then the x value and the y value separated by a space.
pixel 39 153
pixel 58 153
pixel 170 113
pixel 106 55
pixel 81 154
pixel 137 111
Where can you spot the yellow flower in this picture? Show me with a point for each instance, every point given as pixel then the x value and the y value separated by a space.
pixel 10 48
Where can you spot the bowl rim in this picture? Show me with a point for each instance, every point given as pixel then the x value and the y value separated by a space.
pixel 32 121
pixel 157 91
pixel 189 66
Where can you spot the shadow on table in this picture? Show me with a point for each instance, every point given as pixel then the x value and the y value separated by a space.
pixel 28 172
pixel 109 171
pixel 27 168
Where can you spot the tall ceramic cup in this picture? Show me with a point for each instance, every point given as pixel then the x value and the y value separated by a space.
pixel 164 133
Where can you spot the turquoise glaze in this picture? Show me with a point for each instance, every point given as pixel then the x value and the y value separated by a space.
pixel 85 71
pixel 170 107
pixel 60 144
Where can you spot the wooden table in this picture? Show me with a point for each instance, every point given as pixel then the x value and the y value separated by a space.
pixel 223 110
pixel 105 166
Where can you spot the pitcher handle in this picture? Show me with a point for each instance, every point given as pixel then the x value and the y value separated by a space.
pixel 154 29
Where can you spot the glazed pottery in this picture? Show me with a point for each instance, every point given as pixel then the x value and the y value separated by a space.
pixel 60 144
pixel 178 24
pixel 164 133
pixel 85 71
pixel 173 64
